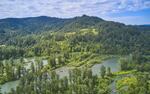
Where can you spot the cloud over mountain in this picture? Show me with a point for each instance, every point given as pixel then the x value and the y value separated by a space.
pixel 68 8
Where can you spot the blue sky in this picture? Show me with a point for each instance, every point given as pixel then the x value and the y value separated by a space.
pixel 126 11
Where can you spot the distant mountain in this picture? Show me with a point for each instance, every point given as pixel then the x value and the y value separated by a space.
pixel 44 23
pixel 146 25
pixel 143 27
pixel 32 24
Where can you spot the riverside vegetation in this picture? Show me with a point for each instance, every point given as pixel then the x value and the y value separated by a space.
pixel 77 43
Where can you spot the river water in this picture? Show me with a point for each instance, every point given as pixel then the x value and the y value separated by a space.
pixel 112 63
pixel 8 86
pixel 64 71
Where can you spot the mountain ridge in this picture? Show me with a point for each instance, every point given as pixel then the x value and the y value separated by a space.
pixel 45 23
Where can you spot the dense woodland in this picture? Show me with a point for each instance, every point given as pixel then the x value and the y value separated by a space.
pixel 76 41
pixel 103 36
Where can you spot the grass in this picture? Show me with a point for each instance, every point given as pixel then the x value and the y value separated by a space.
pixel 88 59
pixel 124 72
pixel 85 31
pixel 126 82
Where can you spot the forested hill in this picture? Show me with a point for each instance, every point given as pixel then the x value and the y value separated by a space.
pixel 40 36
pixel 32 24
pixel 44 23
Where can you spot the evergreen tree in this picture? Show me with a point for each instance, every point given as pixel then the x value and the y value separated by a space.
pixel 109 73
pixel 103 71
pixel 0 91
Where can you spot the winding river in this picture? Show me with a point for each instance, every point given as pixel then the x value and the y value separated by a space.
pixel 64 71
pixel 112 63
pixel 8 86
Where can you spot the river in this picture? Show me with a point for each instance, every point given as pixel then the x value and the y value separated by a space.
pixel 64 71
pixel 8 86
pixel 112 63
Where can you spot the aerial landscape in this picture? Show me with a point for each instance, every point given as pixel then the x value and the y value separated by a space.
pixel 75 47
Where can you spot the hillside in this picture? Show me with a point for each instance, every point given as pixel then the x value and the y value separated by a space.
pixel 44 23
pixel 80 55
pixel 23 36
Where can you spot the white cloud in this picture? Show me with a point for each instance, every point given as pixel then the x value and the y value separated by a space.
pixel 68 8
